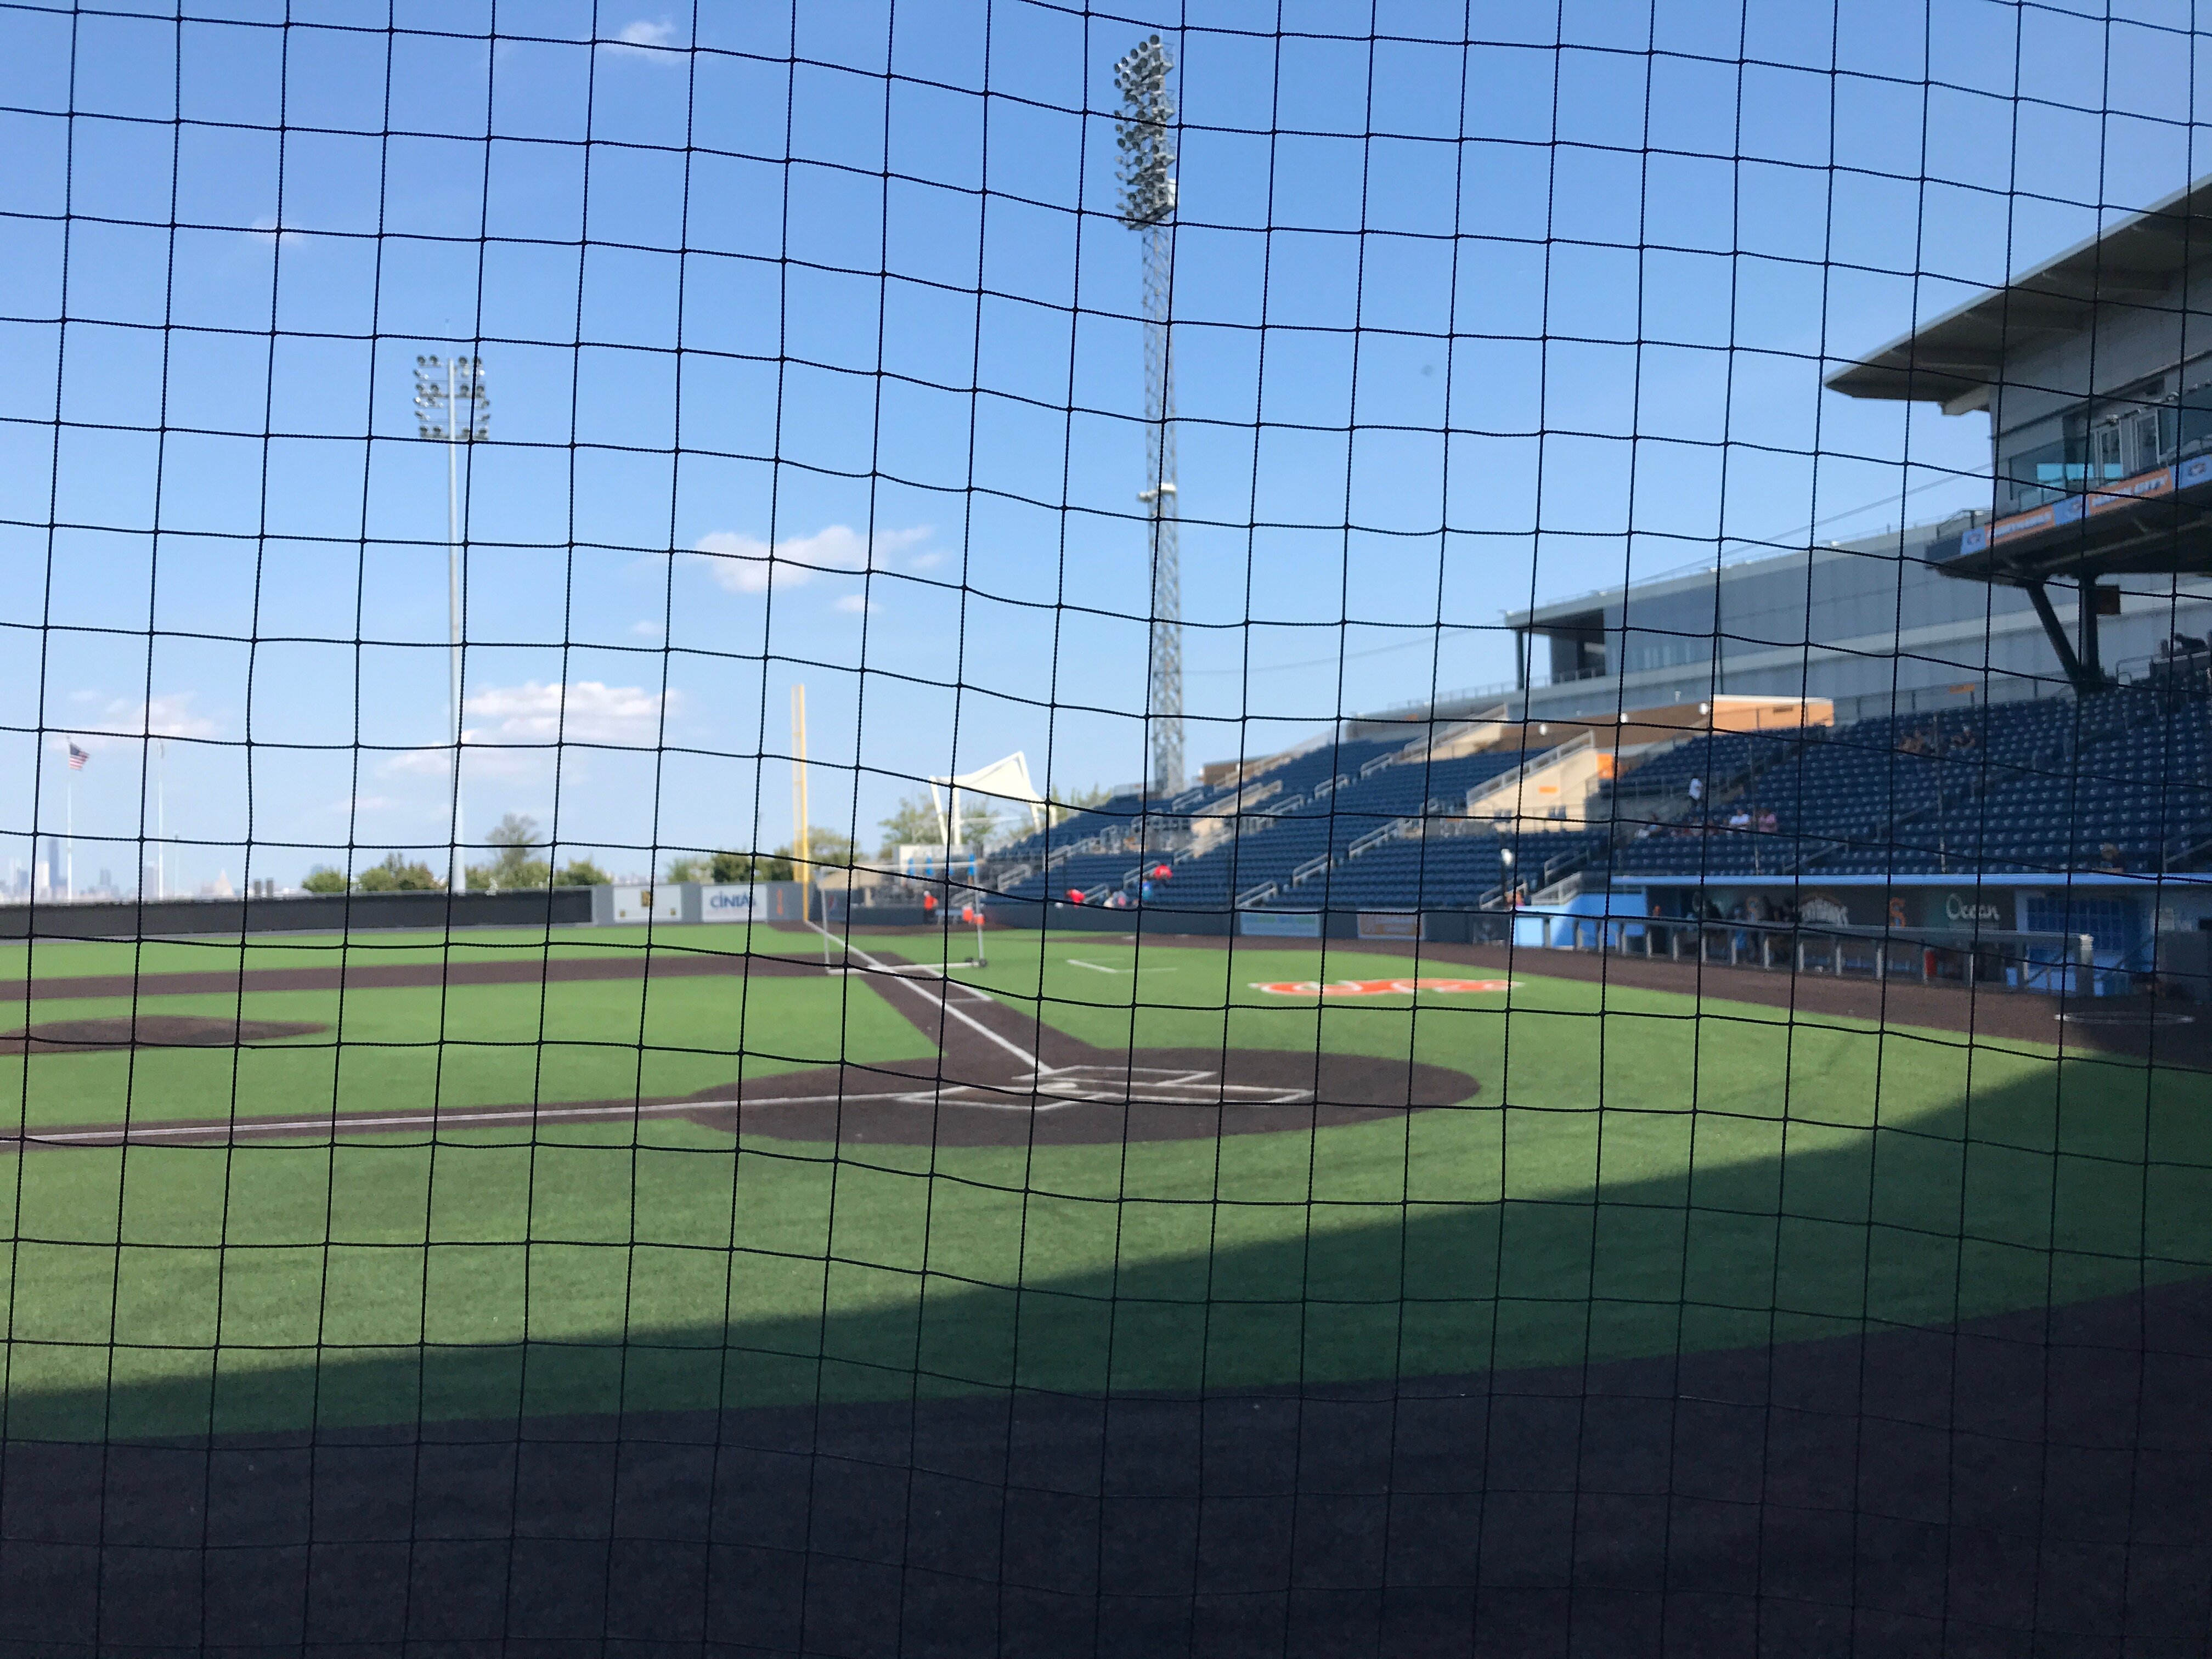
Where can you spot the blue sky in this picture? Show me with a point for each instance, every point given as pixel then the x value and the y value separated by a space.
pixel 1460 323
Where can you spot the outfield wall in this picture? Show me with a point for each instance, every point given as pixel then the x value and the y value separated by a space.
pixel 321 913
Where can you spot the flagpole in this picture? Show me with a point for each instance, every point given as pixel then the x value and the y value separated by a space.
pixel 69 853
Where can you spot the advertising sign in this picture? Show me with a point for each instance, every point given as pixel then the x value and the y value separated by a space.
pixel 728 901
pixel 1970 909
pixel 662 903
pixel 1376 988
pixel 1279 924
pixel 1383 924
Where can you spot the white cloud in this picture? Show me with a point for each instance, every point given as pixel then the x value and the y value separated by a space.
pixel 745 564
pixel 586 712
pixel 514 720
pixel 123 722
pixel 265 230
pixel 643 39
pixel 856 602
pixel 646 630
pixel 420 763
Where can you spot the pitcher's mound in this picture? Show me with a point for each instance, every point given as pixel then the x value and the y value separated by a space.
pixel 78 1036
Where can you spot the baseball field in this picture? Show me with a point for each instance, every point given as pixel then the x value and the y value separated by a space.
pixel 391 1179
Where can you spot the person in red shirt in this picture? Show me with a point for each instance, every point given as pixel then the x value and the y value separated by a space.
pixel 1075 895
pixel 929 907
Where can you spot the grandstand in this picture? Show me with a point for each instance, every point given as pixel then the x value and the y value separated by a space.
pixel 2044 807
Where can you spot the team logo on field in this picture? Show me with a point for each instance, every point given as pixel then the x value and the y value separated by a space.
pixel 1376 988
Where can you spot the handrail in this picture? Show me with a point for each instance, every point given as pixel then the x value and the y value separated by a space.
pixel 1516 781
pixel 1375 837
pixel 1259 894
pixel 1312 866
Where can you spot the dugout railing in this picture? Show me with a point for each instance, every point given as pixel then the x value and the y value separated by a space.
pixel 2014 959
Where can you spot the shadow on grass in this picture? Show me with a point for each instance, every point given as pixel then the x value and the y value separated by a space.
pixel 2090 1180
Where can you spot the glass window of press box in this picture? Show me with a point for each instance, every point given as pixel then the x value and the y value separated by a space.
pixel 2152 423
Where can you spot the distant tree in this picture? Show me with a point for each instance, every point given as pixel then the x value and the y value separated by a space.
pixel 515 835
pixel 395 875
pixel 1073 801
pixel 826 848
pixel 748 866
pixel 692 867
pixel 323 879
pixel 582 872
pixel 977 825
pixel 915 824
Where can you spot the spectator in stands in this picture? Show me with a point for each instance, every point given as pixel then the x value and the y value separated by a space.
pixel 1650 829
pixel 1144 890
pixel 1769 822
pixel 1697 792
pixel 1740 818
pixel 928 905
pixel 1075 895
pixel 2110 858
pixel 1963 739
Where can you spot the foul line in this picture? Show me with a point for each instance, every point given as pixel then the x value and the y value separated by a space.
pixel 431 1120
pixel 876 964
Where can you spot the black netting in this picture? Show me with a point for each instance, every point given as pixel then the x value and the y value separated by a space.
pixel 979 829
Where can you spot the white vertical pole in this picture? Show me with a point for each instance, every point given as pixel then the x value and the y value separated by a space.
pixel 457 879
pixel 160 818
pixel 69 850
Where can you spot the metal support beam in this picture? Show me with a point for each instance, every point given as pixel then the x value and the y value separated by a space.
pixel 2077 675
pixel 2085 609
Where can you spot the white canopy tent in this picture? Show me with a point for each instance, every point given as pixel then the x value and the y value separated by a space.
pixel 1003 781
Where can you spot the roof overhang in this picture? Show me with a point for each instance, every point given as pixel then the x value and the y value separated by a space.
pixel 1955 360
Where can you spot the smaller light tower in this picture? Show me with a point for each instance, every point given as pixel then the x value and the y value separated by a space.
pixel 452 405
pixel 1146 138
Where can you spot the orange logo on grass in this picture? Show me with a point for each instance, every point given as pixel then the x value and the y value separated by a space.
pixel 1376 988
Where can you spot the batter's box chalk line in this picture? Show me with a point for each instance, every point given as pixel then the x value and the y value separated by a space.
pixel 1049 1088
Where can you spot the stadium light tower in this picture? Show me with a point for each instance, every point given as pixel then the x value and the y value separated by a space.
pixel 452 405
pixel 1148 205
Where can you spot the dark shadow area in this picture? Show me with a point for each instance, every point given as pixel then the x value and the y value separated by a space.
pixel 2031 1483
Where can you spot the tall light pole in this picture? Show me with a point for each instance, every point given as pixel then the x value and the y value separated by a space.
pixel 453 406
pixel 1148 205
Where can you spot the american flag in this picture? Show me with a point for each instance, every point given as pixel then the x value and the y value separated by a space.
pixel 77 759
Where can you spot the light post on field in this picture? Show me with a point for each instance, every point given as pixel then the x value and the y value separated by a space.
pixel 452 405
pixel 1148 204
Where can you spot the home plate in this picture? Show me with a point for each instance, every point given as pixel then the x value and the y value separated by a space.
pixel 1045 1091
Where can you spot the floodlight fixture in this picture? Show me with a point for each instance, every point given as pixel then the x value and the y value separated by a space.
pixel 1144 135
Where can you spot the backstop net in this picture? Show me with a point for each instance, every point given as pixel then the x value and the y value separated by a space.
pixel 697 966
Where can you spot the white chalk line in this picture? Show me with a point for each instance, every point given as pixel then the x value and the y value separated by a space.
pixel 427 1120
pixel 876 964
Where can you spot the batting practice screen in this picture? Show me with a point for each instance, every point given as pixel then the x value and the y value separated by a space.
pixel 976 828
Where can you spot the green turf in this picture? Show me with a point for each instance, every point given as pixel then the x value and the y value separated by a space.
pixel 1637 1173
pixel 67 958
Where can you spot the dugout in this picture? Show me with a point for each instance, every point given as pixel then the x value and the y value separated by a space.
pixel 2095 371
